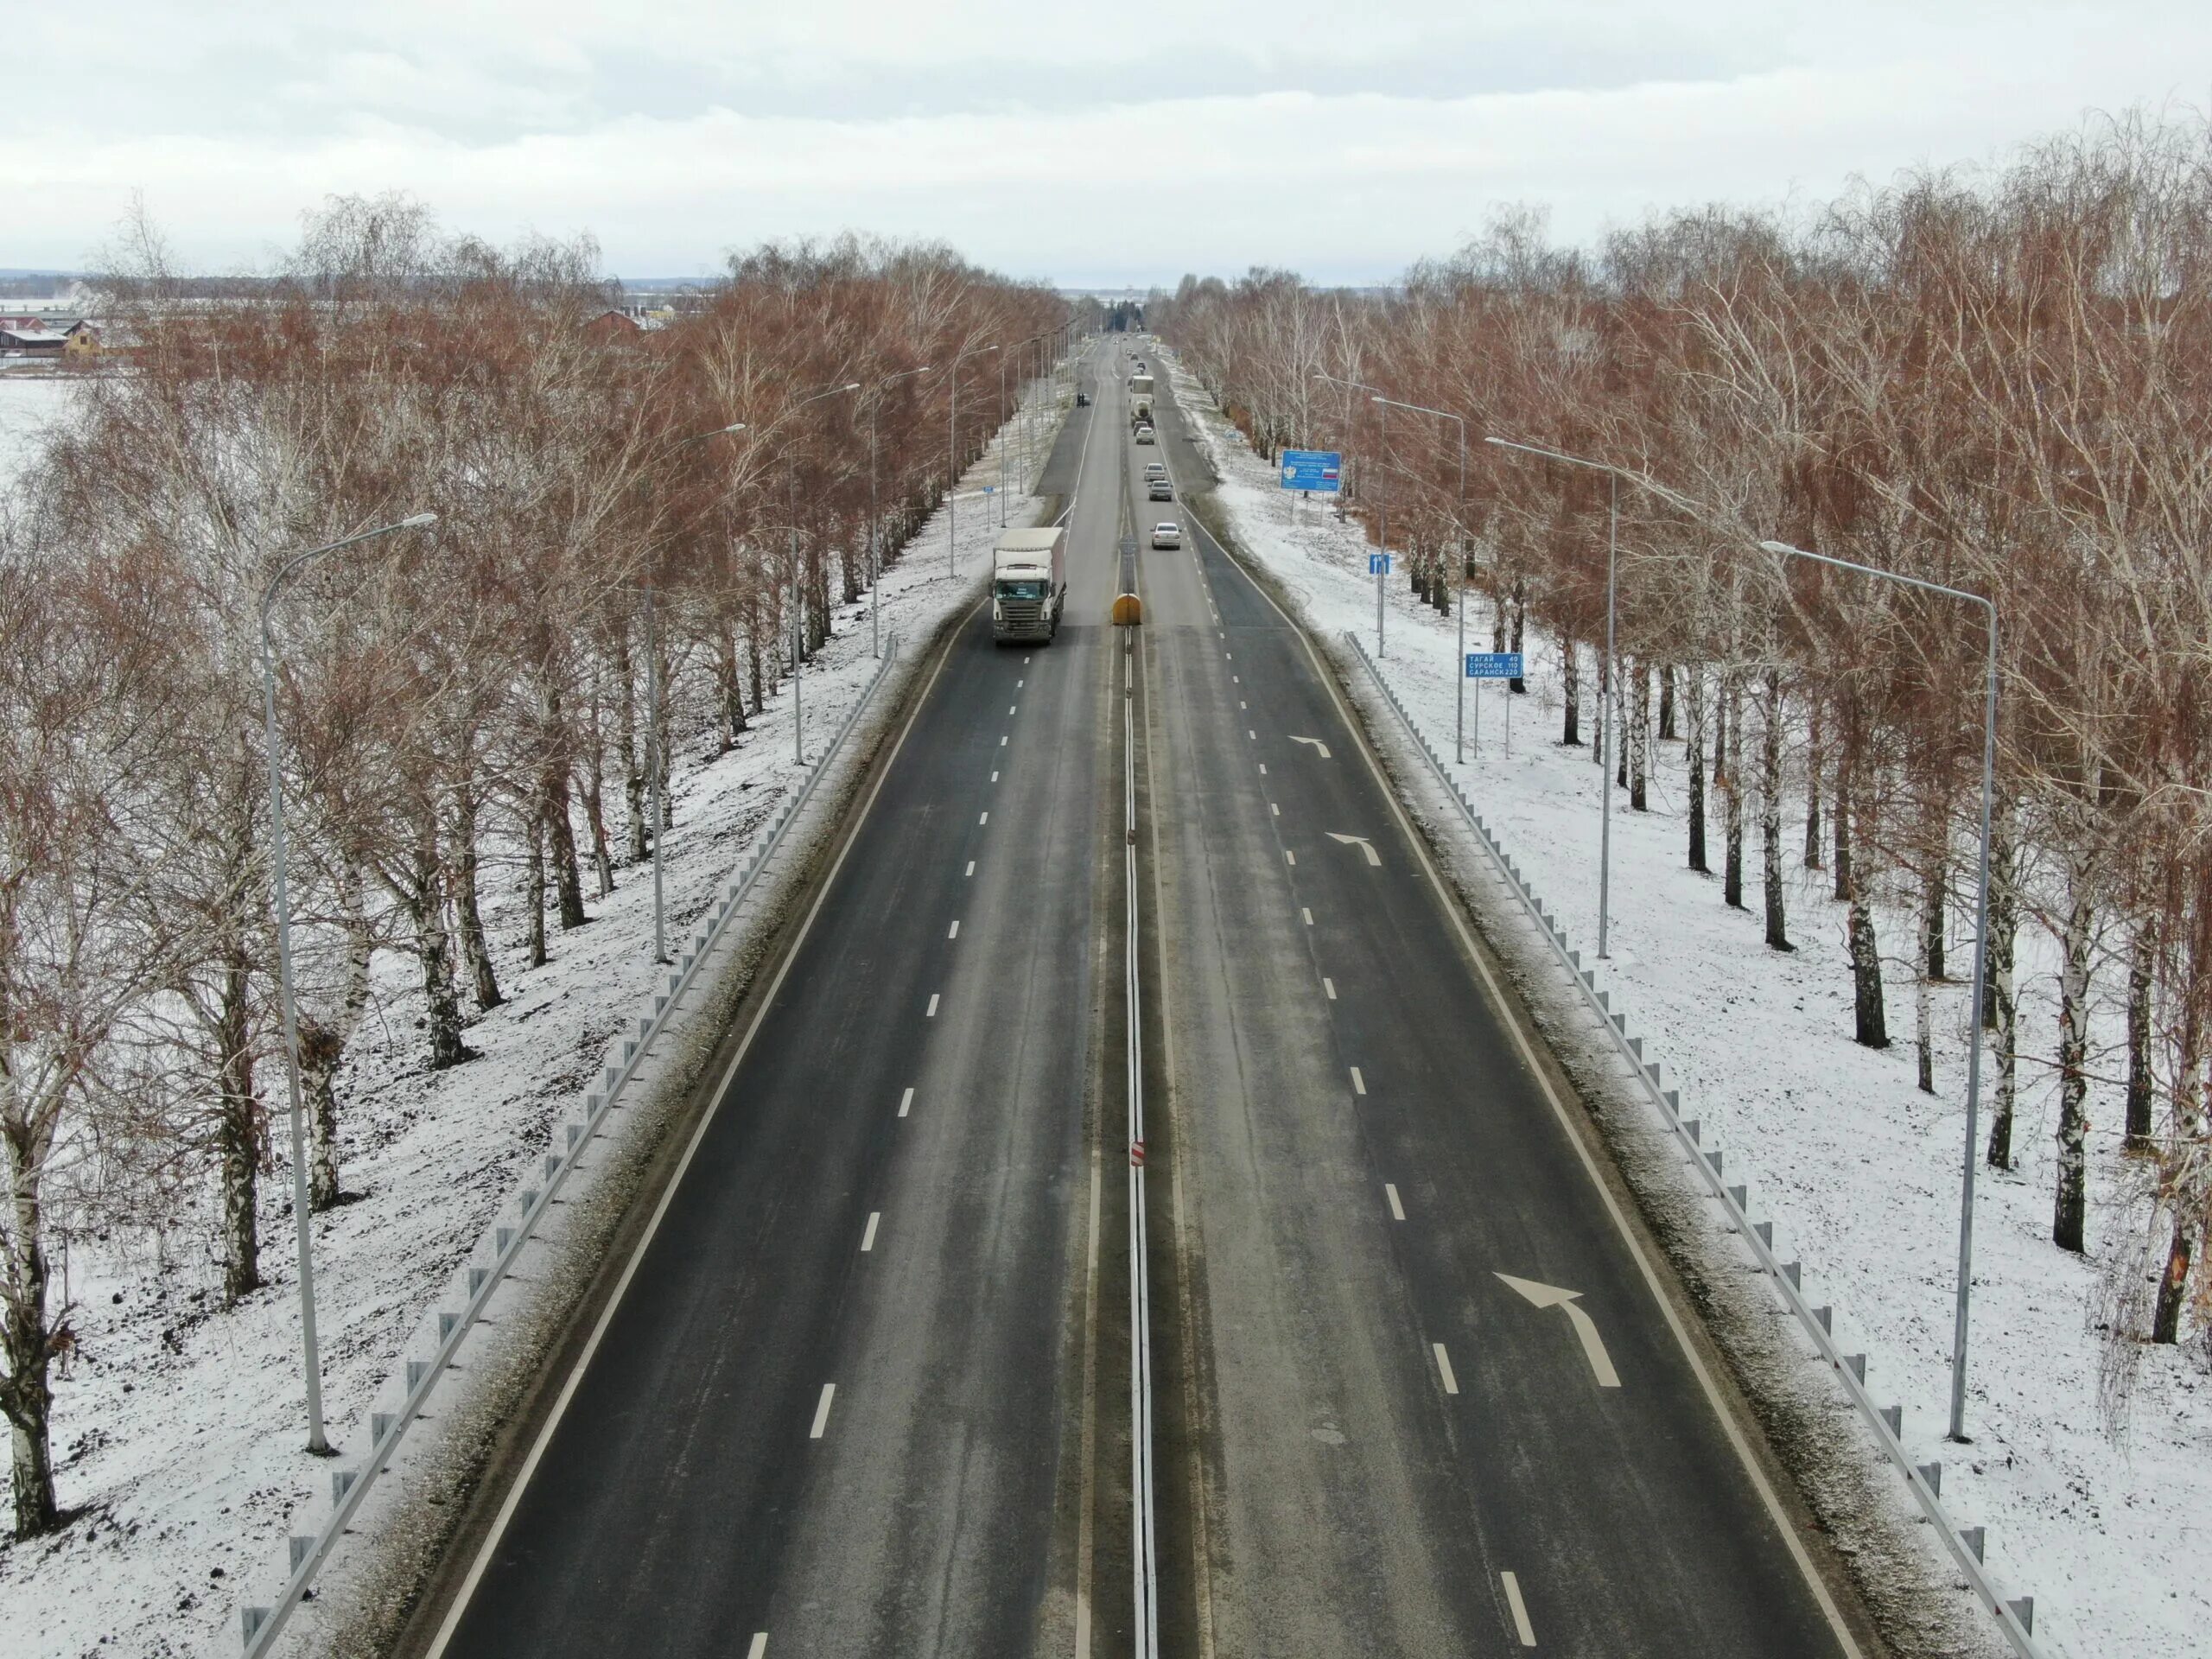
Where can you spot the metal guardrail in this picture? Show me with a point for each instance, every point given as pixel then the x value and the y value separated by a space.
pixel 2016 1617
pixel 349 1488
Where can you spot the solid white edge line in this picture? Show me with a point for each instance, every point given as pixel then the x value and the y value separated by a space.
pixel 508 1505
pixel 1397 1210
pixel 1522 1627
pixel 822 1411
pixel 1729 1427
pixel 1444 1368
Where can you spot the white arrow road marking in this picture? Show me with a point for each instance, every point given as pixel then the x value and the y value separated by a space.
pixel 1522 1627
pixel 1363 843
pixel 1316 742
pixel 1593 1345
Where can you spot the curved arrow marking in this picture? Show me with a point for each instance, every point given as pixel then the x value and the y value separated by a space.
pixel 1593 1345
pixel 1316 742
pixel 1363 843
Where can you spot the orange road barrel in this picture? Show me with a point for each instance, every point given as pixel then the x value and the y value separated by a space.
pixel 1128 611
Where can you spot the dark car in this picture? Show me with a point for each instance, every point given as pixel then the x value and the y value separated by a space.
pixel 1082 400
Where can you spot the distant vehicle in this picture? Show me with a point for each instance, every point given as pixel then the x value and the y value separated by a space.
pixel 1154 469
pixel 1144 435
pixel 1082 400
pixel 1029 581
pixel 1168 533
pixel 1162 490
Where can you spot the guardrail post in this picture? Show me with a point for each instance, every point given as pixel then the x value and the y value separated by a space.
pixel 2024 1609
pixel 1933 1474
pixel 1973 1538
pixel 300 1548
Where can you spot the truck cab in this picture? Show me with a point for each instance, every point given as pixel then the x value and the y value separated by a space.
pixel 1029 584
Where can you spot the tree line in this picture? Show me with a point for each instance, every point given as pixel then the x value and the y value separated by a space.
pixel 1997 381
pixel 458 709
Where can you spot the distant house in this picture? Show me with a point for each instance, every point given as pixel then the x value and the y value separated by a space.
pixel 88 337
pixel 31 342
pixel 613 326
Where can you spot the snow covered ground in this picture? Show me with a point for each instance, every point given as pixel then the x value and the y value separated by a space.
pixel 1858 1168
pixel 177 1426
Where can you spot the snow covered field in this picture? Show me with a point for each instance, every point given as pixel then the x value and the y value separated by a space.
pixel 1858 1169
pixel 177 1426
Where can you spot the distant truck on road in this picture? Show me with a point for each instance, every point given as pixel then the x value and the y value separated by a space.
pixel 1029 582
pixel 1139 399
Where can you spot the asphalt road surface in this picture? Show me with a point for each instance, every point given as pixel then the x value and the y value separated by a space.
pixel 1422 1391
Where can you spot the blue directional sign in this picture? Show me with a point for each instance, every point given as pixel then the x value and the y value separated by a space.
pixel 1312 469
pixel 1379 564
pixel 1495 666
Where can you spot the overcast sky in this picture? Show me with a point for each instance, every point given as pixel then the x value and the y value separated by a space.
pixel 1089 144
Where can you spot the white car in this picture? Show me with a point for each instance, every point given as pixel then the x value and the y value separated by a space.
pixel 1144 435
pixel 1168 533
pixel 1154 469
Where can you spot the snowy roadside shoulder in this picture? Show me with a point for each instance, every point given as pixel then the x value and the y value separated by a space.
pixel 1859 1168
pixel 180 1427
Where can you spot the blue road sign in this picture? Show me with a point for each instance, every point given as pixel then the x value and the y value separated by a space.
pixel 1379 564
pixel 1312 469
pixel 1495 666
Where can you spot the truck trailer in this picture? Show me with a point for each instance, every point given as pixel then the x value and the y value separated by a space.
pixel 1029 582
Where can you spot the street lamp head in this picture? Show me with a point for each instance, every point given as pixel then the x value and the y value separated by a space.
pixel 418 521
pixel 734 426
pixel 1779 549
pixel 850 385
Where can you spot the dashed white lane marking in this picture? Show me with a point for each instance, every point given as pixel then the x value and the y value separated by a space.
pixel 1330 986
pixel 1255 736
pixel 1025 659
pixel 1018 684
pixel 1001 743
pixel 1013 708
pixel 1522 1627
pixel 829 1392
pixel 760 1645
pixel 994 776
pixel 1241 703
pixel 905 1102
pixel 1358 1083
pixel 971 867
pixel 1397 1210
pixel 931 1015
pixel 1443 1366
pixel 1308 915
pixel 868 1238
pixel 955 931
pixel 1263 768
pixel 1274 809
pixel 1288 856
pixel 985 819
pixel 1236 680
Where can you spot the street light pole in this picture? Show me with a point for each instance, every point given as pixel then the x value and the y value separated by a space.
pixel 791 493
pixel 875 518
pixel 652 723
pixel 1382 496
pixel 310 1357
pixel 952 461
pixel 1605 674
pixel 1446 414
pixel 1965 1290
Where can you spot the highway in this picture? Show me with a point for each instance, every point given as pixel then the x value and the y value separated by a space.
pixel 1422 1387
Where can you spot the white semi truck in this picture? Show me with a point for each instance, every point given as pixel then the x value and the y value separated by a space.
pixel 1029 582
